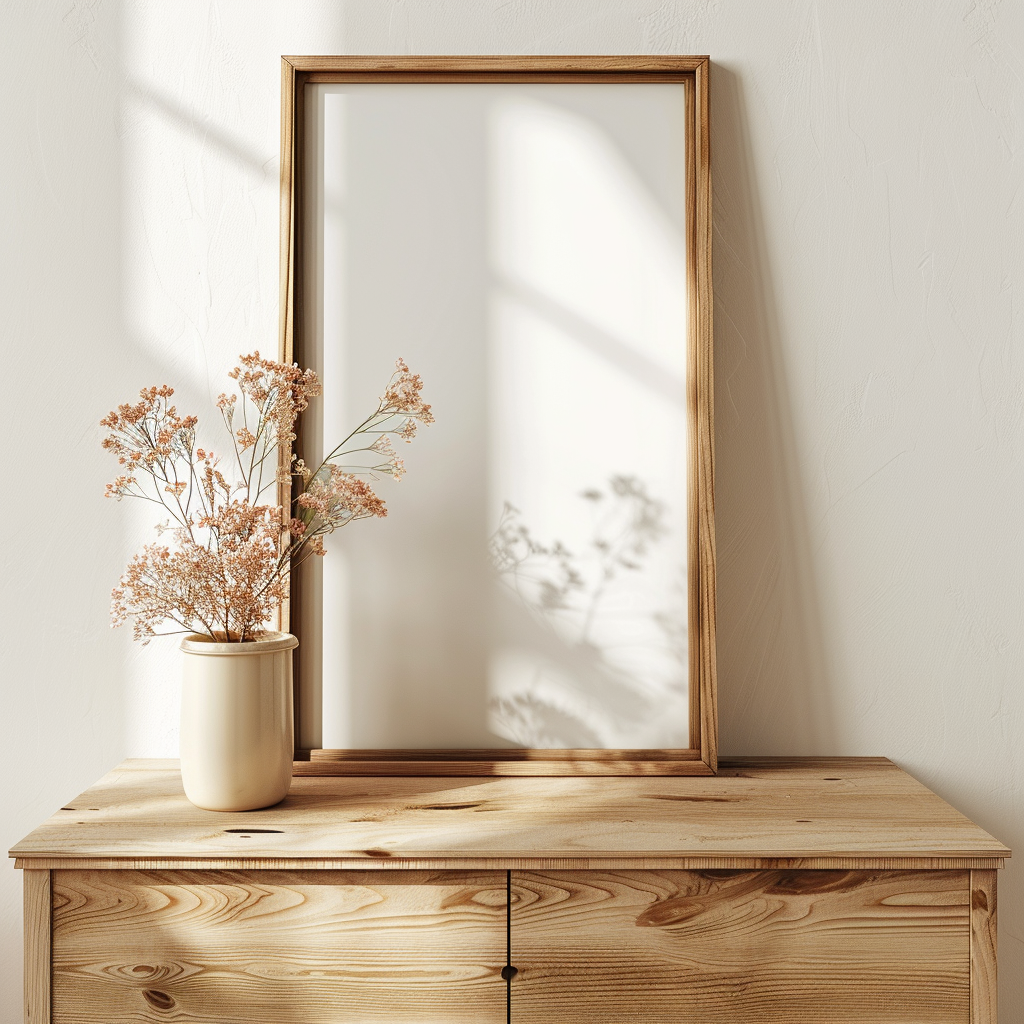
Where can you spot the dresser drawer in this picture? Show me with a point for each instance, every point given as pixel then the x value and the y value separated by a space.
pixel 742 947
pixel 661 947
pixel 262 947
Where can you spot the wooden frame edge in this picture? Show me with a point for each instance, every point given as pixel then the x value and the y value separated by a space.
pixel 290 311
pixel 701 758
pixel 495 64
pixel 288 248
pixel 501 763
pixel 984 942
pixel 708 678
pixel 38 924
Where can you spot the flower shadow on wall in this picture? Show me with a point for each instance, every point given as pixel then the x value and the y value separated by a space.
pixel 597 658
pixel 587 382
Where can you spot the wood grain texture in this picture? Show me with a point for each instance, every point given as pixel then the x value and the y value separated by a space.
pixel 484 66
pixel 377 755
pixel 704 678
pixel 984 921
pixel 344 948
pixel 464 768
pixel 510 77
pixel 832 947
pixel 605 863
pixel 37 903
pixel 500 762
pixel 693 73
pixel 289 140
pixel 810 811
pixel 288 312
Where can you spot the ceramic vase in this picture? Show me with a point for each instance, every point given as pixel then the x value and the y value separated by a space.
pixel 237 739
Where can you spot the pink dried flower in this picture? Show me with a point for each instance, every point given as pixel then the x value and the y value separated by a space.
pixel 227 568
pixel 403 394
pixel 336 498
pixel 394 466
pixel 120 487
pixel 279 391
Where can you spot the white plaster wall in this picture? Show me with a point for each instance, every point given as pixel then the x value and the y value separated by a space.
pixel 869 395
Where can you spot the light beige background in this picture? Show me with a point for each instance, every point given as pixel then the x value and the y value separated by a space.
pixel 868 225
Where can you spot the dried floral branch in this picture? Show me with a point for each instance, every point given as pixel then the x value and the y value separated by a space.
pixel 229 563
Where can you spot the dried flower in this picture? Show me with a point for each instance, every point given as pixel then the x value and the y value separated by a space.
pixel 403 393
pixel 393 466
pixel 335 498
pixel 279 391
pixel 228 566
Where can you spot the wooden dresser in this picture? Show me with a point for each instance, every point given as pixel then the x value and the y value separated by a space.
pixel 783 890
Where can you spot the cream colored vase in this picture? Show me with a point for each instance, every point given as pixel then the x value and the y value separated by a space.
pixel 237 741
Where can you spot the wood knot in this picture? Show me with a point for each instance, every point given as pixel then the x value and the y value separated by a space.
pixel 673 911
pixel 979 899
pixel 509 972
pixel 445 807
pixel 158 1000
pixel 809 883
pixel 466 897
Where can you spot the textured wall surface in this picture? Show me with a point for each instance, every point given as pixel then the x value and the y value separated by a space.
pixel 868 219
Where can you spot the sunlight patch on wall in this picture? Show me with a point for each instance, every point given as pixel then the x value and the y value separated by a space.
pixel 588 466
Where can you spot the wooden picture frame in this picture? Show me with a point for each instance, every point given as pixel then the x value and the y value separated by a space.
pixel 700 758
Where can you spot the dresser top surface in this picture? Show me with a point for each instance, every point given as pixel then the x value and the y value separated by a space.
pixel 809 812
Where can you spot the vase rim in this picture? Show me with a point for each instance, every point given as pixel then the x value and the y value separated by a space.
pixel 269 643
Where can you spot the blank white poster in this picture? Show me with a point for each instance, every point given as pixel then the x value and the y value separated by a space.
pixel 522 247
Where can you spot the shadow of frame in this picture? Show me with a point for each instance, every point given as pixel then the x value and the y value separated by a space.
pixel 773 680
